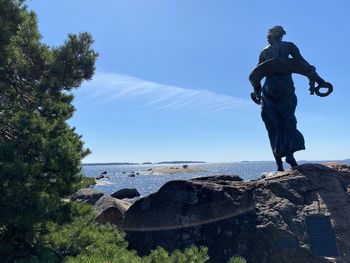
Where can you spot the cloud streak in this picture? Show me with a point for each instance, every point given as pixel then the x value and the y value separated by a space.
pixel 108 87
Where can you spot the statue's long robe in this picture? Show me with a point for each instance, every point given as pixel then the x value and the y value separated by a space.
pixel 279 102
pixel 278 108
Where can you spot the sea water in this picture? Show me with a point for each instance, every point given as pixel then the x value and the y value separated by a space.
pixel 146 184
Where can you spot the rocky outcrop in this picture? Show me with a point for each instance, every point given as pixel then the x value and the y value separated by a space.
pixel 87 195
pixel 261 220
pixel 102 176
pixel 126 193
pixel 110 210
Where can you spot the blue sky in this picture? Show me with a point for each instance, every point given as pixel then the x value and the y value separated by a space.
pixel 172 76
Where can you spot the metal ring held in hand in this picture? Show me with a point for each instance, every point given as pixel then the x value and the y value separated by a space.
pixel 326 85
pixel 255 98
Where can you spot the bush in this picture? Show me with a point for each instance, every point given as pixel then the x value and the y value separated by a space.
pixel 190 255
pixel 84 183
pixel 237 260
pixel 81 239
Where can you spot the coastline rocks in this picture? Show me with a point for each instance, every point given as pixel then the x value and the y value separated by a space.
pixel 103 175
pixel 126 193
pixel 262 220
pixel 110 210
pixel 87 195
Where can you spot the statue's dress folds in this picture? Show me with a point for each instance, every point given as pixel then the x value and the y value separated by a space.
pixel 278 107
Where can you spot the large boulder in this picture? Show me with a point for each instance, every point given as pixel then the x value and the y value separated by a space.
pixel 110 210
pixel 262 220
pixel 87 195
pixel 126 193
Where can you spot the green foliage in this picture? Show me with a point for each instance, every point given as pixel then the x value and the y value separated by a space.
pixel 40 154
pixel 190 255
pixel 84 182
pixel 81 239
pixel 237 260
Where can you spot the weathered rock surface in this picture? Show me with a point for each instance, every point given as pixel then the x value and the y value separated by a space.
pixel 126 193
pixel 110 210
pixel 87 195
pixel 247 218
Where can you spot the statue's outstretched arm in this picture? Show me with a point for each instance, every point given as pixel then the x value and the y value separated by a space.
pixel 312 74
pixel 295 53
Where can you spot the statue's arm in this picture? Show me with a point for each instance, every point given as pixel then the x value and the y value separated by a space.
pixel 261 57
pixel 257 86
pixel 295 53
pixel 312 74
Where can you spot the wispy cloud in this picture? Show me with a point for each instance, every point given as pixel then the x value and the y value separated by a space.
pixel 110 86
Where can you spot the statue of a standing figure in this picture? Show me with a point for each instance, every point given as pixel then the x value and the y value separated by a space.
pixel 277 96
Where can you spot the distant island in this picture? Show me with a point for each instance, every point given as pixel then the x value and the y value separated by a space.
pixel 127 163
pixel 178 162
pixel 92 164
pixel 189 162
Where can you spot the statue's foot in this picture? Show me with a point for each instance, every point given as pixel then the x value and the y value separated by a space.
pixel 279 163
pixel 291 161
pixel 280 169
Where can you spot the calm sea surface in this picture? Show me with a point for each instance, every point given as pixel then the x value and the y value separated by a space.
pixel 147 184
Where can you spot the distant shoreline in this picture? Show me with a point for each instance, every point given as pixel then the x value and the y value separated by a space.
pixel 201 162
pixel 145 163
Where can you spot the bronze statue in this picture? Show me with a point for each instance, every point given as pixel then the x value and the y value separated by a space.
pixel 277 96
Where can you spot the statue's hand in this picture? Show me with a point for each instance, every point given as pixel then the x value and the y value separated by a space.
pixel 324 85
pixel 256 97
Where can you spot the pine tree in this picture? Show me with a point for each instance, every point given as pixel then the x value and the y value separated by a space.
pixel 40 153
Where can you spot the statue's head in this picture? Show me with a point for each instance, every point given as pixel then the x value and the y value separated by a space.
pixel 275 34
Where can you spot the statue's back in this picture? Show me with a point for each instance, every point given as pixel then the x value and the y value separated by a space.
pixel 280 49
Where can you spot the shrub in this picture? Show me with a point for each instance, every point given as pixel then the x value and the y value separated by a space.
pixel 81 239
pixel 237 260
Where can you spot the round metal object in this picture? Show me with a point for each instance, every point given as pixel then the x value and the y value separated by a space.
pixel 327 85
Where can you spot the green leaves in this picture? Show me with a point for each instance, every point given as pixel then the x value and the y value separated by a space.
pixel 40 154
pixel 74 61
pixel 83 240
pixel 189 255
pixel 237 260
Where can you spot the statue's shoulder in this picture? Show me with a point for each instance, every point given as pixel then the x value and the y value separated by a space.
pixel 266 48
pixel 289 44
